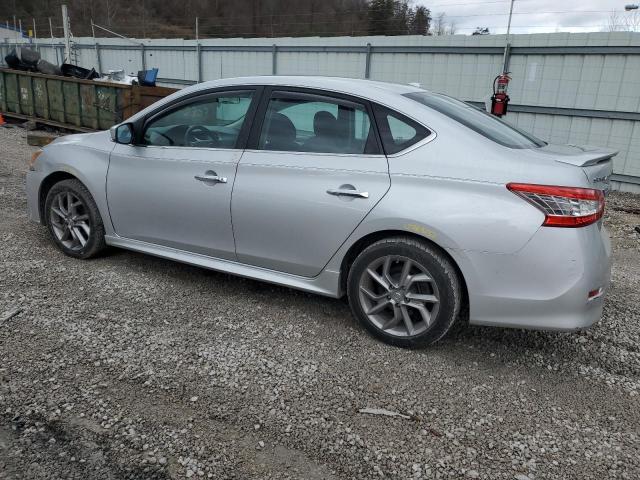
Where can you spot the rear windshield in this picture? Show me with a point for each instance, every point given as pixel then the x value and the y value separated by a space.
pixel 477 120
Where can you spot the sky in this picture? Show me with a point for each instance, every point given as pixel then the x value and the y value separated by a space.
pixel 529 16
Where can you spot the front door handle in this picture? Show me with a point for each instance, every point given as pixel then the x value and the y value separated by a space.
pixel 211 177
pixel 347 192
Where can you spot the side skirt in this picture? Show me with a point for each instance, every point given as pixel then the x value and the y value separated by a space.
pixel 326 283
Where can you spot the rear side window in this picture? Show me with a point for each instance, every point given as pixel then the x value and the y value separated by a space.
pixel 477 120
pixel 301 122
pixel 397 131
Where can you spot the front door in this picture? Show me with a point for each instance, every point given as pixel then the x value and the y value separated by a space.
pixel 174 189
pixel 315 171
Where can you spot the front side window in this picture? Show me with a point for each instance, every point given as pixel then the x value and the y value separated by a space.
pixel 477 120
pixel 308 123
pixel 213 122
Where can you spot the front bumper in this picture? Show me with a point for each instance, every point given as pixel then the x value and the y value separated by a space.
pixel 543 286
pixel 34 180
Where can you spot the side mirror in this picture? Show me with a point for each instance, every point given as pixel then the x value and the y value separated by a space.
pixel 122 133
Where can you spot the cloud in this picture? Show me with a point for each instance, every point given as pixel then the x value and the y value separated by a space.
pixel 530 16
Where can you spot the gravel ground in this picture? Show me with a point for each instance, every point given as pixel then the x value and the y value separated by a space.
pixel 129 366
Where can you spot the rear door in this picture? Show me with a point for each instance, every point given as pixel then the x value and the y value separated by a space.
pixel 314 169
pixel 174 187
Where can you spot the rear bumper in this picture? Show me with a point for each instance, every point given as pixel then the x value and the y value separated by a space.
pixel 543 286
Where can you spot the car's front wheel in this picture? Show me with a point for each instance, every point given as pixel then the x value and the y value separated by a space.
pixel 73 219
pixel 404 291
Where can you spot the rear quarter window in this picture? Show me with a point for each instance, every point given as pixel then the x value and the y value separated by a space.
pixel 397 131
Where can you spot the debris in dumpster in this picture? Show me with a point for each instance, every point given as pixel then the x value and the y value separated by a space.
pixel 48 68
pixel 21 58
pixel 147 78
pixel 26 59
pixel 118 76
pixel 69 70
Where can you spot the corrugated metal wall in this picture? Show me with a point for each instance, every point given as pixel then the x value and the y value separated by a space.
pixel 566 88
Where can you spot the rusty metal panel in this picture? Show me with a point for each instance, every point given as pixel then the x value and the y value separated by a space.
pixel 12 93
pixel 25 95
pixel 3 94
pixel 71 98
pixel 107 106
pixel 56 101
pixel 41 97
pixel 89 106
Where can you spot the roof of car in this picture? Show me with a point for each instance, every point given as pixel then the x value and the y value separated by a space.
pixel 346 85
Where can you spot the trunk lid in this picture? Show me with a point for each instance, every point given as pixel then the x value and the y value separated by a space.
pixel 596 162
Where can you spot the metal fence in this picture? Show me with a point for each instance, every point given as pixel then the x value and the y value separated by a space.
pixel 566 87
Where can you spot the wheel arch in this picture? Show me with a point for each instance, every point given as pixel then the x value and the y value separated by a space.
pixel 45 186
pixel 373 237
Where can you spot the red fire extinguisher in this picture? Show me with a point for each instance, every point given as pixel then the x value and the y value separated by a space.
pixel 500 99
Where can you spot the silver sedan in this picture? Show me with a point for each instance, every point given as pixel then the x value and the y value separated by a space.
pixel 420 208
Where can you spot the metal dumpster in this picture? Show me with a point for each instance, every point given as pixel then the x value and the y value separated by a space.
pixel 66 102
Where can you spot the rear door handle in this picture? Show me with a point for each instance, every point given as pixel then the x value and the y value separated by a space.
pixel 211 177
pixel 347 192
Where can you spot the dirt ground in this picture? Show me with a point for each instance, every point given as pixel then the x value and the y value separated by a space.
pixel 129 366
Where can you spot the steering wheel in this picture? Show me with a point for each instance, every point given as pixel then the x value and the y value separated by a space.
pixel 200 136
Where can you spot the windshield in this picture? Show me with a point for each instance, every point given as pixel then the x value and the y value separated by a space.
pixel 477 120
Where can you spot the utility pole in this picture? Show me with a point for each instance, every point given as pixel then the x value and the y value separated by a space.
pixel 144 20
pixel 198 52
pixel 67 35
pixel 506 42
pixel 35 35
pixel 96 47
pixel 15 29
pixel 52 46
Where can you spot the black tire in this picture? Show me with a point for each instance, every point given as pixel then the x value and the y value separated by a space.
pixel 443 274
pixel 95 242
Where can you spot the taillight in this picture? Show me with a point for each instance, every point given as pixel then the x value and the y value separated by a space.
pixel 563 206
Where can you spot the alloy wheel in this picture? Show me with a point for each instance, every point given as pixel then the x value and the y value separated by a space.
pixel 399 296
pixel 70 220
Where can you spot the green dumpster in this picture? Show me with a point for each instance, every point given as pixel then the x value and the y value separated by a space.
pixel 72 103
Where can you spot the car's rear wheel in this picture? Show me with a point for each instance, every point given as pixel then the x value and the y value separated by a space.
pixel 404 291
pixel 73 219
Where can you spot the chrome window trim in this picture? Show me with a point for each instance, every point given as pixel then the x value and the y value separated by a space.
pixel 324 154
pixel 171 147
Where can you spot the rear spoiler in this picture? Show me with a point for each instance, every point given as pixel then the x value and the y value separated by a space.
pixel 588 156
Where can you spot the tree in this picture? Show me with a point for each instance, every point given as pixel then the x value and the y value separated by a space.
pixel 397 17
pixel 443 27
pixel 380 16
pixel 453 28
pixel 421 21
pixel 402 16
